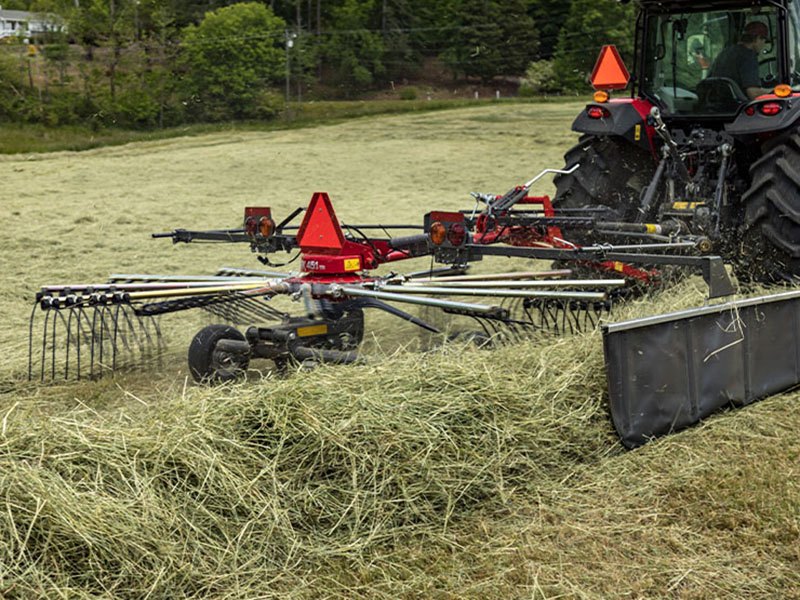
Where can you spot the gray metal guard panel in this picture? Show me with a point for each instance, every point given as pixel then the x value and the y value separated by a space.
pixel 668 372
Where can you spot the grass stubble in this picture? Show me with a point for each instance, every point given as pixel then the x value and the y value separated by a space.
pixel 455 473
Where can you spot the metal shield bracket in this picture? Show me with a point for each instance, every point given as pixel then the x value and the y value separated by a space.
pixel 668 372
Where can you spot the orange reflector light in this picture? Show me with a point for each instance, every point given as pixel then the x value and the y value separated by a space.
pixel 782 91
pixel 770 109
pixel 601 97
pixel 250 226
pixel 438 233
pixel 320 230
pixel 610 72
pixel 457 234
pixel 266 226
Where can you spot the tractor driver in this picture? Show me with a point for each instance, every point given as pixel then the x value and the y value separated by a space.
pixel 740 61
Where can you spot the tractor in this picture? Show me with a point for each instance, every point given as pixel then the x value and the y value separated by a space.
pixel 692 143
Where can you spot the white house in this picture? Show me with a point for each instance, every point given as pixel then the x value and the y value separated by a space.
pixel 22 23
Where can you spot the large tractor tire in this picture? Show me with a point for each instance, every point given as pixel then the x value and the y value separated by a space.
pixel 770 249
pixel 612 173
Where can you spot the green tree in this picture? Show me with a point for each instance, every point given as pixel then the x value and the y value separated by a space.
pixel 354 50
pixel 232 57
pixel 549 16
pixel 495 37
pixel 589 26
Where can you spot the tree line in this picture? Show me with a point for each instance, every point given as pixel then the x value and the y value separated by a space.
pixel 156 63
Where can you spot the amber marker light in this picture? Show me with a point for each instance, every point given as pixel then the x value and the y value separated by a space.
pixel 438 233
pixel 266 226
pixel 782 91
pixel 601 97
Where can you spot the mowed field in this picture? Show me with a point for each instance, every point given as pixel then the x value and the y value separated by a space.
pixel 460 473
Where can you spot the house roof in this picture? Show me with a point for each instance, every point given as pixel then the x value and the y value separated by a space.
pixel 17 15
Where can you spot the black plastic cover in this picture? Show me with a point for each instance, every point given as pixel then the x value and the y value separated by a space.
pixel 667 373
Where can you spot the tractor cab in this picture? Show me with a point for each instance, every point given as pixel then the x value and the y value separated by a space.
pixel 708 135
pixel 710 59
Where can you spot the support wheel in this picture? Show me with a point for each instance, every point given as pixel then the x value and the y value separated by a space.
pixel 208 364
pixel 771 231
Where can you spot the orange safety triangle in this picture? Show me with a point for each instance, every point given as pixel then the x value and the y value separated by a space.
pixel 610 72
pixel 320 229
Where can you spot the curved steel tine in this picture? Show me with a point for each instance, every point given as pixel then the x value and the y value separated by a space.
pixel 69 343
pixel 93 332
pixel 79 337
pixel 30 341
pixel 90 334
pixel 65 321
pixel 129 329
pixel 44 341
pixel 114 338
pixel 104 331
pixel 145 331
pixel 56 315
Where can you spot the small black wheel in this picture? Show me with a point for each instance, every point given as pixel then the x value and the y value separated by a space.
pixel 207 364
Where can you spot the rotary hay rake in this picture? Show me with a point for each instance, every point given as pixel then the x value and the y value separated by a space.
pixel 85 330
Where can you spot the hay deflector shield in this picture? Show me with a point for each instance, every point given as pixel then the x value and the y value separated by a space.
pixel 668 372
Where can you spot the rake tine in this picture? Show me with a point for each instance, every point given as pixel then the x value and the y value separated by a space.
pixel 69 343
pixel 483 324
pixel 568 316
pixel 30 341
pixel 105 331
pixel 88 332
pixel 259 307
pixel 56 315
pixel 80 311
pixel 225 311
pixel 93 333
pixel 131 328
pixel 114 339
pixel 145 332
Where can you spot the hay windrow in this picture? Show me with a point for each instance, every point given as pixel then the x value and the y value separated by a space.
pixel 335 463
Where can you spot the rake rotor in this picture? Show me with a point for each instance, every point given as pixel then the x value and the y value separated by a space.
pixel 89 329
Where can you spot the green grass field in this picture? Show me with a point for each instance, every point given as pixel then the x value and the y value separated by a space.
pixel 456 474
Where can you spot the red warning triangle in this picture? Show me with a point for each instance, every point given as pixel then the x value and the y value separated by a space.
pixel 609 72
pixel 320 230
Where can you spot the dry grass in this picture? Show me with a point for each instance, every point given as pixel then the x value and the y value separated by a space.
pixel 456 474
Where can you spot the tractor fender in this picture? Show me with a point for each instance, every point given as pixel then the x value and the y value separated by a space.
pixel 759 123
pixel 625 118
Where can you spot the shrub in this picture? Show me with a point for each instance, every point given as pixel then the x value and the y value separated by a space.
pixel 408 93
pixel 540 78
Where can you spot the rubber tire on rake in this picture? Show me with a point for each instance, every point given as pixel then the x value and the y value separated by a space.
pixel 771 229
pixel 207 364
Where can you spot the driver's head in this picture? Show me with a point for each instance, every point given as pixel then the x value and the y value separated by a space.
pixel 756 34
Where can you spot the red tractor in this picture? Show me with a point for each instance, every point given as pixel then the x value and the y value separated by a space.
pixel 709 137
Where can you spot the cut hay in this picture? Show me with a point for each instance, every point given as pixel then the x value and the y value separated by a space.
pixel 195 493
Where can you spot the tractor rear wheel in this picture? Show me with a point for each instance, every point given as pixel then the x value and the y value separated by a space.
pixel 210 364
pixel 612 173
pixel 771 229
